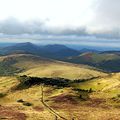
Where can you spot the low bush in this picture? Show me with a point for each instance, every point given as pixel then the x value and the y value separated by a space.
pixel 27 104
pixel 118 95
pixel 20 100
pixel 2 95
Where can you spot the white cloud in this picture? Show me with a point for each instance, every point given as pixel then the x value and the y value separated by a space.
pixel 59 12
pixel 93 22
pixel 106 17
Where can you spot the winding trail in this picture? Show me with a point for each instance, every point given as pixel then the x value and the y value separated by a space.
pixel 49 108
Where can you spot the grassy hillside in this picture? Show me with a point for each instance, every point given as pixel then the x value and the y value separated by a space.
pixel 73 102
pixel 37 66
pixel 95 57
pixel 101 84
pixel 6 83
pixel 109 62
pixel 91 95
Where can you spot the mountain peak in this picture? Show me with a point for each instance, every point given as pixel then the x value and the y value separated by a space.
pixel 25 44
pixel 55 47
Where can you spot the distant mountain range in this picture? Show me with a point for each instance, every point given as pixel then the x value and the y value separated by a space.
pixel 50 51
pixel 106 60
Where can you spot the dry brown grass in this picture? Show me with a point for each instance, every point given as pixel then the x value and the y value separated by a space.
pixel 61 100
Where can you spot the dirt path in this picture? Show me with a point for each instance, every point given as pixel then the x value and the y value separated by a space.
pixel 49 108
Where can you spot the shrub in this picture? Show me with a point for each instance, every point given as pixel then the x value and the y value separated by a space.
pixel 24 102
pixel 90 90
pixel 80 96
pixel 118 95
pixel 20 100
pixel 27 104
pixel 2 95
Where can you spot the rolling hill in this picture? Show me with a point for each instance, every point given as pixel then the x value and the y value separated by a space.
pixel 109 62
pixel 108 83
pixel 38 66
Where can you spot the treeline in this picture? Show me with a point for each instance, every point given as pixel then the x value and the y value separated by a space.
pixel 27 81
pixel 83 90
pixel 84 80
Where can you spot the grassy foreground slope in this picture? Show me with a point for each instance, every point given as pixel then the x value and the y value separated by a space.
pixel 108 86
pixel 6 83
pixel 41 67
pixel 103 103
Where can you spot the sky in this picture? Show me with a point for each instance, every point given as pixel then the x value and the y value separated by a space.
pixel 78 22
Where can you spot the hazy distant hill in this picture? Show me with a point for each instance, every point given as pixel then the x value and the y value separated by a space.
pixel 112 52
pixel 50 51
pixel 4 44
pixel 108 60
pixel 26 47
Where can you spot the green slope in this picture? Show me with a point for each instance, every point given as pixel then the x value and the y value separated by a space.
pixel 42 67
pixel 106 61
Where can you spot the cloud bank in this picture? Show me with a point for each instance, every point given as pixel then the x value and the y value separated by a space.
pixel 106 16
pixel 102 29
